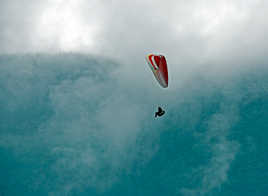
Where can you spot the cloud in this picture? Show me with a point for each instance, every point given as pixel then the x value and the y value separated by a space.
pixel 223 153
pixel 215 136
pixel 18 21
pixel 216 38
pixel 220 36
pixel 190 33
pixel 75 115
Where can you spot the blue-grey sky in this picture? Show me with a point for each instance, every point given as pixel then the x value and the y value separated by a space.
pixel 63 105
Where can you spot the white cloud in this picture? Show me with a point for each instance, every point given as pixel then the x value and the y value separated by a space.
pixel 188 32
pixel 222 149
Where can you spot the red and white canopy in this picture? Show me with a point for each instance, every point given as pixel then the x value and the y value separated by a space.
pixel 158 64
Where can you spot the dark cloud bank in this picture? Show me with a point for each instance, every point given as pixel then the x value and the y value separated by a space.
pixel 73 124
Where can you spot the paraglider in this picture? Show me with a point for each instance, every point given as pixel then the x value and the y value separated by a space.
pixel 158 65
pixel 160 112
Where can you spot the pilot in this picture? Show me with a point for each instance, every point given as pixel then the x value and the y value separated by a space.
pixel 160 112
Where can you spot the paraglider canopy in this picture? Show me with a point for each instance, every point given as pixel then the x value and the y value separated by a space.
pixel 158 65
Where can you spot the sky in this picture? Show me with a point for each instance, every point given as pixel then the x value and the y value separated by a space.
pixel 209 46
pixel 194 35
pixel 123 29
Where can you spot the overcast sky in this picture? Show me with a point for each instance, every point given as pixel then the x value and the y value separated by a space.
pixel 194 35
pixel 189 30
